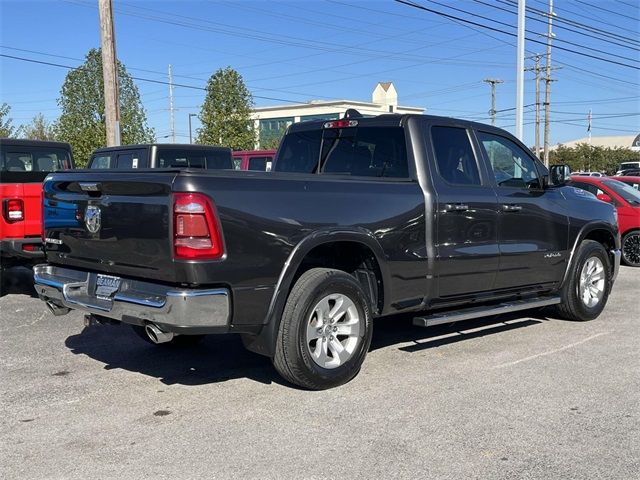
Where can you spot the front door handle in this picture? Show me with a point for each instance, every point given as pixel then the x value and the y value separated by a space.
pixel 511 208
pixel 456 207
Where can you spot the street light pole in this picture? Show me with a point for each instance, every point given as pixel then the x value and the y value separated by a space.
pixel 191 115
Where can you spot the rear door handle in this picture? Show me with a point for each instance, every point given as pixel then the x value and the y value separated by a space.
pixel 511 208
pixel 456 207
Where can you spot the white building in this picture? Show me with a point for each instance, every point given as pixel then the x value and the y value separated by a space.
pixel 270 122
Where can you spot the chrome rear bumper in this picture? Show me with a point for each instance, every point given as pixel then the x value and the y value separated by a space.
pixel 135 301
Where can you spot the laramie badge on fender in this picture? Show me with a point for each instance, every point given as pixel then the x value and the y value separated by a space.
pixel 92 219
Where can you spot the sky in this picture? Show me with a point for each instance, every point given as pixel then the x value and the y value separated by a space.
pixel 298 51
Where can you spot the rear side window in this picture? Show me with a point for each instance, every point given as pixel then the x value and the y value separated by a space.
pixel 34 159
pixel 455 159
pixel 259 163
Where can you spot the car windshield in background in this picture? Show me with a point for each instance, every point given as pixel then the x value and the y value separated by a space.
pixel 34 159
pixel 209 159
pixel 359 151
pixel 627 192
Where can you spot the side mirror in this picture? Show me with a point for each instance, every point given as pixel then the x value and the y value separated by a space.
pixel 604 198
pixel 559 174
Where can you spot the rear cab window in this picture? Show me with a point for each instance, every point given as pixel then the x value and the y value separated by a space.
pixel 200 158
pixel 34 159
pixel 363 151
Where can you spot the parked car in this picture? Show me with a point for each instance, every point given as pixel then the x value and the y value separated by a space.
pixel 162 155
pixel 633 181
pixel 589 174
pixel 258 160
pixel 626 199
pixel 440 218
pixel 23 166
pixel 625 167
pixel 629 172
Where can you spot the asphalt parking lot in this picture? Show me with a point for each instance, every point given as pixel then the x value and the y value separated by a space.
pixel 508 397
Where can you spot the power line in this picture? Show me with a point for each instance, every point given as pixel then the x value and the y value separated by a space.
pixel 141 79
pixel 606 10
pixel 588 18
pixel 584 33
pixel 533 40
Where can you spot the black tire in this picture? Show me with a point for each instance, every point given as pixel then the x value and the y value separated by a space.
pixel 631 248
pixel 293 358
pixel 177 341
pixel 573 307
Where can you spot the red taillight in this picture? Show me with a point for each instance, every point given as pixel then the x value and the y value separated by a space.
pixel 13 210
pixel 196 231
pixel 341 124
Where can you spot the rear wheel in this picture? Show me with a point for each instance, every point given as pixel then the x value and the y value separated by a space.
pixel 631 248
pixel 587 287
pixel 325 331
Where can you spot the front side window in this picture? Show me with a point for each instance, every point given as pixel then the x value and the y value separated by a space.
pixel 512 166
pixel 455 159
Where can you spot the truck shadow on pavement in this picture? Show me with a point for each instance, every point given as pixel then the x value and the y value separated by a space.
pixel 17 281
pixel 219 358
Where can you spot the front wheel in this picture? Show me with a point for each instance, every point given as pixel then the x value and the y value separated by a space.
pixel 631 249
pixel 588 284
pixel 325 331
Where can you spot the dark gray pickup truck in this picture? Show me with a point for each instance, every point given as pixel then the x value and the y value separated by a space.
pixel 361 218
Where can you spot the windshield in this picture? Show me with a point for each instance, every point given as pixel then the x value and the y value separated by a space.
pixel 628 165
pixel 627 192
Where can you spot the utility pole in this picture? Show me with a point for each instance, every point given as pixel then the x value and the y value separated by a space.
pixel 172 121
pixel 109 73
pixel 537 69
pixel 493 82
pixel 191 115
pixel 520 70
pixel 547 80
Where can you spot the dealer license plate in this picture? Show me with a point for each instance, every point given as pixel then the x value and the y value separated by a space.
pixel 107 286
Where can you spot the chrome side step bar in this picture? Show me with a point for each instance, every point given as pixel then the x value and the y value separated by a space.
pixel 484 311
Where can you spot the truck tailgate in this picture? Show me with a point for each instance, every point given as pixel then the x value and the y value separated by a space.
pixel 116 222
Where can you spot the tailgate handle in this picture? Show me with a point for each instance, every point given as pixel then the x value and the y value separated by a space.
pixel 511 208
pixel 456 207
pixel 90 186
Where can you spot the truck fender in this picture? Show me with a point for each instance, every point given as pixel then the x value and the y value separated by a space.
pixel 582 234
pixel 264 342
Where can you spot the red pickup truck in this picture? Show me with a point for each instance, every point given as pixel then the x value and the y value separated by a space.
pixel 24 164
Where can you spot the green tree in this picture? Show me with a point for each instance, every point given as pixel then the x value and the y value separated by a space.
pixel 38 129
pixel 82 122
pixel 226 112
pixel 6 127
pixel 585 157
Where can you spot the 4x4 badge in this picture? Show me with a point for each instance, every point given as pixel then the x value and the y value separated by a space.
pixel 92 219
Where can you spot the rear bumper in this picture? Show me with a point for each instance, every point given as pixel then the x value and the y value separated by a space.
pixel 178 310
pixel 14 249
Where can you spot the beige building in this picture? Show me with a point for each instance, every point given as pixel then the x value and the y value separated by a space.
pixel 270 122
pixel 618 141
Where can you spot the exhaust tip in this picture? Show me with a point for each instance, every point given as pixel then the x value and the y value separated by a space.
pixel 57 310
pixel 156 335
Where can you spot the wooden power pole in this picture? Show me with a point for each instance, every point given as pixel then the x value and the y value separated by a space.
pixel 493 82
pixel 109 73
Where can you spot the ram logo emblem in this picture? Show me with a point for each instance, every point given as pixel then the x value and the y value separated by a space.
pixel 92 219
